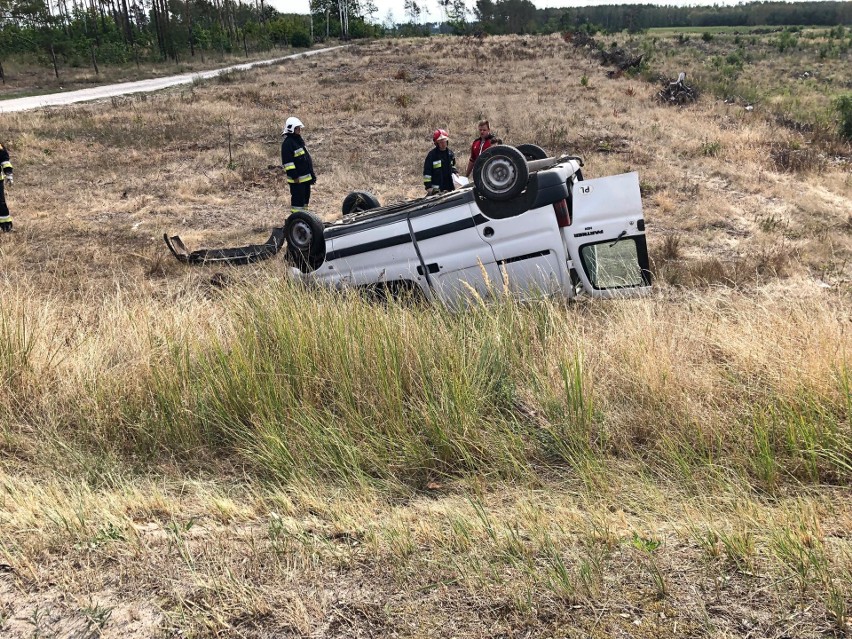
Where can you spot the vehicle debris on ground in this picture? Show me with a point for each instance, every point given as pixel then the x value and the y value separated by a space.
pixel 234 256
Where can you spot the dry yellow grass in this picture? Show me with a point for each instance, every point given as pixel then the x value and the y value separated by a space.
pixel 681 496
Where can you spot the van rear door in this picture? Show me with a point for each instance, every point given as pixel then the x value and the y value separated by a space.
pixel 606 237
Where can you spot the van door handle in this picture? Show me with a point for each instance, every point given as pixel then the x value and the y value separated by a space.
pixel 488 231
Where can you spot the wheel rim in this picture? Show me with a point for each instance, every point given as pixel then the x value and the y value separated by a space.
pixel 301 235
pixel 500 175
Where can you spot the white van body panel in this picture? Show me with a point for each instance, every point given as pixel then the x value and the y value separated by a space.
pixel 451 249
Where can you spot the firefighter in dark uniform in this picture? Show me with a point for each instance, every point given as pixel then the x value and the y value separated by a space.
pixel 440 165
pixel 297 162
pixel 6 179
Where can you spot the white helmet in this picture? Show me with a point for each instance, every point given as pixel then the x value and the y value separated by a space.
pixel 290 125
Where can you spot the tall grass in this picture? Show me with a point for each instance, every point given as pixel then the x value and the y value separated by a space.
pixel 297 383
pixel 238 451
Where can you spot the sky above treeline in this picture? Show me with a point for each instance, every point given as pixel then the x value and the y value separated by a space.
pixel 431 12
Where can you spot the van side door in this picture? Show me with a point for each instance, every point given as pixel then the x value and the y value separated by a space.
pixel 371 252
pixel 458 262
pixel 524 233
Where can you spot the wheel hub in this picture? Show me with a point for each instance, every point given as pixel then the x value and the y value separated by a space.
pixel 500 174
pixel 302 235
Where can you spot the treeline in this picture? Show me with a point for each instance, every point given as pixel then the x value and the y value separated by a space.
pixel 521 16
pixel 89 32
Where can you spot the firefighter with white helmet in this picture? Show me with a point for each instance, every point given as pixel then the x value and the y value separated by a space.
pixel 298 165
pixel 6 179
pixel 440 165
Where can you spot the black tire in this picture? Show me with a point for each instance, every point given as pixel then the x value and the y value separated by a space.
pixel 501 172
pixel 532 152
pixel 358 201
pixel 305 240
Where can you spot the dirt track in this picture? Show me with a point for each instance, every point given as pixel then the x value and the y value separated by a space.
pixel 140 86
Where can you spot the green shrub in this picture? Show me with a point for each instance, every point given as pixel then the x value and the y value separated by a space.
pixel 828 50
pixel 786 41
pixel 113 53
pixel 360 29
pixel 301 39
pixel 711 148
pixel 844 109
pixel 735 59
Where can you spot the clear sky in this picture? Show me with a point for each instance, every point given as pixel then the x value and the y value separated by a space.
pixel 431 6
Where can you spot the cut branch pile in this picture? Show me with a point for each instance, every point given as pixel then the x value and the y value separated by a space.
pixel 678 92
pixel 617 57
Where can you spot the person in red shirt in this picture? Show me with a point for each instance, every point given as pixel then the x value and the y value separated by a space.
pixel 486 138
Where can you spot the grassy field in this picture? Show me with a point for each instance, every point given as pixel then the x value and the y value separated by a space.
pixel 795 75
pixel 757 29
pixel 209 453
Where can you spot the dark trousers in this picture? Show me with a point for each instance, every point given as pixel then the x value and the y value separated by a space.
pixel 5 218
pixel 300 195
pixel 4 210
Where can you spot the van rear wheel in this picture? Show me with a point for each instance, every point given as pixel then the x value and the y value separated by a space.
pixel 305 240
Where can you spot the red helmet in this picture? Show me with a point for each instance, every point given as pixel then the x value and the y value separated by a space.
pixel 440 134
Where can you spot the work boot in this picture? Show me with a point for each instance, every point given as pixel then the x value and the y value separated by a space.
pixel 6 227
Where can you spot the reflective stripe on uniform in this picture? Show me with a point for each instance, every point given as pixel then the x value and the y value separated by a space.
pixel 436 164
pixel 427 178
pixel 5 165
pixel 298 152
pixel 304 178
pixel 5 218
pixel 297 209
pixel 291 181
pixel 289 166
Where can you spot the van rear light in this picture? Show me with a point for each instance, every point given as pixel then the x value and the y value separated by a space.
pixel 563 218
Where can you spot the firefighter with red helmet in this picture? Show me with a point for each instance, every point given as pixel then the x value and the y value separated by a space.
pixel 6 179
pixel 298 165
pixel 440 165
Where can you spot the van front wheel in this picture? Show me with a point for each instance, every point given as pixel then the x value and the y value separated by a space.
pixel 532 152
pixel 358 201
